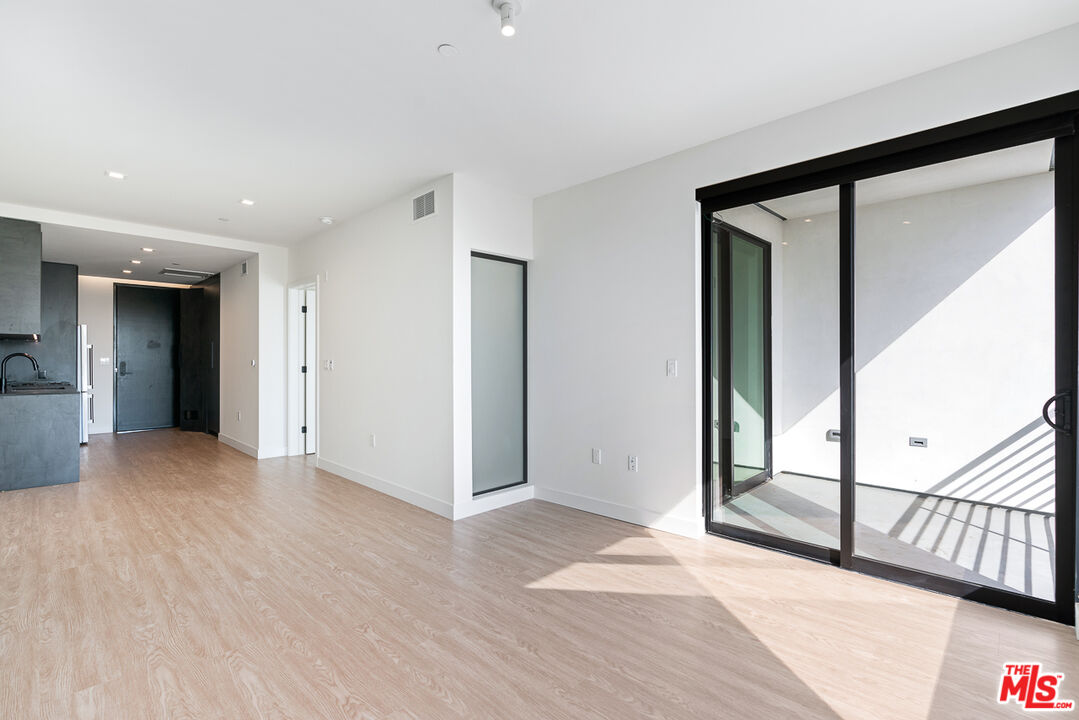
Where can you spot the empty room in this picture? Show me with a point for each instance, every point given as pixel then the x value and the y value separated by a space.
pixel 539 359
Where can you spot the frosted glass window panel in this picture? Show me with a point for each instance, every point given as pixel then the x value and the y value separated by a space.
pixel 498 374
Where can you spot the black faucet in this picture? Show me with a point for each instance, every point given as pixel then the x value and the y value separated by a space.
pixel 3 368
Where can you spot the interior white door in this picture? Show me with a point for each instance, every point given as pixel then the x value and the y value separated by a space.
pixel 310 361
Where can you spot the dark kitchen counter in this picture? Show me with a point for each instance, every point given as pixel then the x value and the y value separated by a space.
pixel 39 437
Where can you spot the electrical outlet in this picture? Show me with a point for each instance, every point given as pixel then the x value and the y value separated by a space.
pixel 238 418
pixel 374 440
pixel 597 456
pixel 633 463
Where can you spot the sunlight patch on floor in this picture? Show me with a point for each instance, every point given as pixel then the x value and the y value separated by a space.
pixel 621 578
pixel 636 546
pixel 756 595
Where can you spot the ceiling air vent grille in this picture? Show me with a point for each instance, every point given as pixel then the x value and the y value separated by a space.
pixel 186 274
pixel 423 205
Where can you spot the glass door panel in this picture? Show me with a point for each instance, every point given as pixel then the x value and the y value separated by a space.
pixel 954 300
pixel 750 404
pixel 774 325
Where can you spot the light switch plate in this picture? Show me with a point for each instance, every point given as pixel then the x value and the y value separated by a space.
pixel 672 368
pixel 597 456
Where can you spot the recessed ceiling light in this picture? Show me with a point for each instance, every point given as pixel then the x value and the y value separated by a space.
pixel 326 220
pixel 906 222
pixel 126 272
pixel 447 50
pixel 147 249
pixel 136 262
pixel 809 219
pixel 786 243
pixel 247 202
pixel 115 175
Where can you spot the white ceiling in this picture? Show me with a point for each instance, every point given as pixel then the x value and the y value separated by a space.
pixel 108 254
pixel 327 107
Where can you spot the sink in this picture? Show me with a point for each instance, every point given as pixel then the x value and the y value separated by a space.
pixel 41 388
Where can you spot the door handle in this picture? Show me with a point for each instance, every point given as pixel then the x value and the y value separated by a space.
pixel 1062 401
pixel 123 368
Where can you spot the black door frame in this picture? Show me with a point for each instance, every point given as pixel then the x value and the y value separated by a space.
pixel 724 232
pixel 1054 118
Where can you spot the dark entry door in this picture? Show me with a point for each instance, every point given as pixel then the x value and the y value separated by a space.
pixel 147 378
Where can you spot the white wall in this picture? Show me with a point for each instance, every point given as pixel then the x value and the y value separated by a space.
pixel 492 220
pixel 394 317
pixel 616 290
pixel 95 311
pixel 385 317
pixel 956 339
pixel 272 264
pixel 239 426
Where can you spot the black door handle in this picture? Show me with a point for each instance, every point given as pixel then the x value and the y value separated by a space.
pixel 1063 410
pixel 123 368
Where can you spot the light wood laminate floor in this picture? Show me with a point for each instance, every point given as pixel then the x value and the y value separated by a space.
pixel 181 579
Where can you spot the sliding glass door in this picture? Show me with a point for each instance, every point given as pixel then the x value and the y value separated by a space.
pixel 774 406
pixel 955 356
pixel 891 358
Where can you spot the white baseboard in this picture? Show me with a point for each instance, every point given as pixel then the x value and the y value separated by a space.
pixel 239 445
pixel 492 501
pixel 431 504
pixel 271 453
pixel 687 527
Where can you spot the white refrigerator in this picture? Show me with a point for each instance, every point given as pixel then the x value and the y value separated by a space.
pixel 85 384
